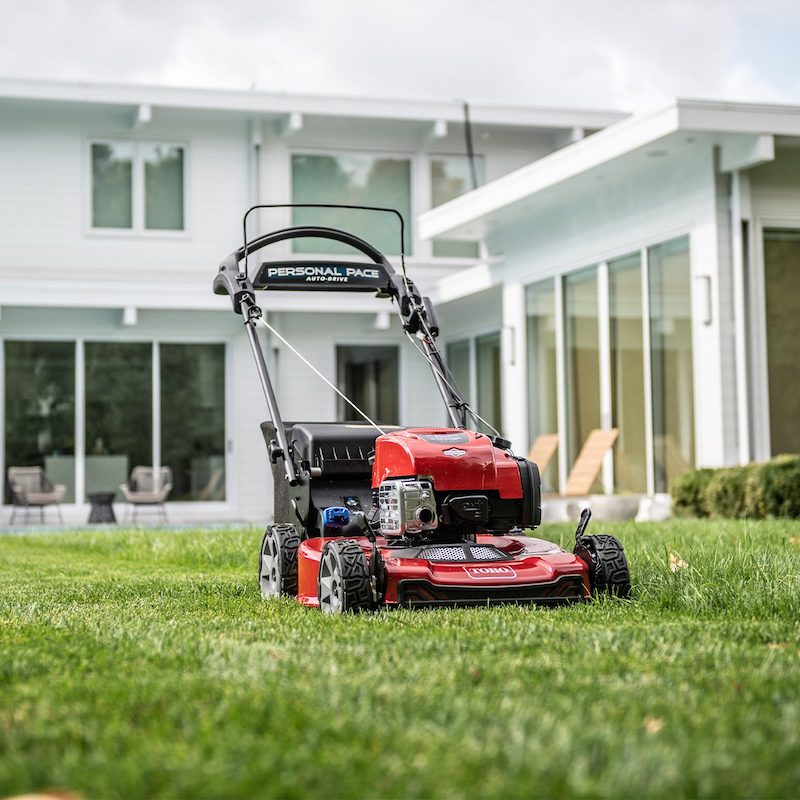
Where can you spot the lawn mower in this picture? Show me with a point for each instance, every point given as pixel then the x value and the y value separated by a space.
pixel 368 515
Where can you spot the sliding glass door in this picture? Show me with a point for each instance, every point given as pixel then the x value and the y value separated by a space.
pixel 119 412
pixel 582 349
pixel 542 380
pixel 671 360
pixel 192 379
pixel 627 373
pixel 781 282
pixel 40 410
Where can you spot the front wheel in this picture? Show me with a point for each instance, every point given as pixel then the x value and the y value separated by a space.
pixel 344 583
pixel 277 561
pixel 608 566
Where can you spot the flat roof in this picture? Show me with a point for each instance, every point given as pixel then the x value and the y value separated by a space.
pixel 501 200
pixel 281 103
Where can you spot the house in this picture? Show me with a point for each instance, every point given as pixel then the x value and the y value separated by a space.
pixel 645 278
pixel 118 202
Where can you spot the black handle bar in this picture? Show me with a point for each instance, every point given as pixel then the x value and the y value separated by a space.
pixel 304 232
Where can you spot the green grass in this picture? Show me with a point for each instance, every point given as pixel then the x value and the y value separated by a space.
pixel 146 664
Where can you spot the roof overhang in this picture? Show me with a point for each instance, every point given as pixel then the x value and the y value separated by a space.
pixel 745 132
pixel 278 104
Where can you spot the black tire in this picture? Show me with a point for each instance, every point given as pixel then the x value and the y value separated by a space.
pixel 343 584
pixel 608 566
pixel 277 561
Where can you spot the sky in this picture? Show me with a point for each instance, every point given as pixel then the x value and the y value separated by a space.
pixel 618 54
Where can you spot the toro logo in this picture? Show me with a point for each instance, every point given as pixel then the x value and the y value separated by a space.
pixel 489 573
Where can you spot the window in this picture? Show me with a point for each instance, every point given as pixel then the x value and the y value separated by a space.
pixel 781 273
pixel 542 381
pixel 475 365
pixel 583 360
pixel 353 179
pixel 369 377
pixel 627 373
pixel 119 412
pixel 192 378
pixel 458 362
pixel 490 405
pixel 137 186
pixel 450 178
pixel 40 410
pixel 671 360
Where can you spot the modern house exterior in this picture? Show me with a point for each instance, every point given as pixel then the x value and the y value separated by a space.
pixel 650 275
pixel 118 202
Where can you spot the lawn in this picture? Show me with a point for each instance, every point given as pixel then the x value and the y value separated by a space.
pixel 146 664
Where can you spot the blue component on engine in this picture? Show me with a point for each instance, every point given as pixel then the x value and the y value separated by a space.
pixel 335 517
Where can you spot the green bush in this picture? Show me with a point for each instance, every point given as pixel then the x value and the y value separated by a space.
pixel 726 492
pixel 773 488
pixel 689 493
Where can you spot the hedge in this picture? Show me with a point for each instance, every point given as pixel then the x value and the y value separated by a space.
pixel 770 489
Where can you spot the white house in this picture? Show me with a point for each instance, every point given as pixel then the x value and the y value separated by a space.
pixel 645 278
pixel 118 202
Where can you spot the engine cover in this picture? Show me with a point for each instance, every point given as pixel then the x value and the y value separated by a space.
pixel 454 459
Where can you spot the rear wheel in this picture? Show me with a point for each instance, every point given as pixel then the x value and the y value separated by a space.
pixel 277 561
pixel 343 584
pixel 608 566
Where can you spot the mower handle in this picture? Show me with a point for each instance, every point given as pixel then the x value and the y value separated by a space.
pixel 232 261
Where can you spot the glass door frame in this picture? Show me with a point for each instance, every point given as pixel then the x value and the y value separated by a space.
pixel 79 341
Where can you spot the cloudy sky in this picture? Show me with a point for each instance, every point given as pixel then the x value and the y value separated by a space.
pixel 626 54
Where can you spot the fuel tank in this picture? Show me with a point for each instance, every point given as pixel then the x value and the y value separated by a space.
pixel 454 459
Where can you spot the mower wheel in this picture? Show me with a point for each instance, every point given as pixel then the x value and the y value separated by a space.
pixel 343 584
pixel 608 567
pixel 277 561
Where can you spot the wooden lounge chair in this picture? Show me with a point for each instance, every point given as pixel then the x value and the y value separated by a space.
pixel 543 449
pixel 589 462
pixel 147 486
pixel 30 488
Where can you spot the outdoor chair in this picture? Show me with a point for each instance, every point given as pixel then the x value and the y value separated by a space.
pixel 589 462
pixel 147 486
pixel 543 449
pixel 30 488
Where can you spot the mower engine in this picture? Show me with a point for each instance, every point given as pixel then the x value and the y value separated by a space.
pixel 448 484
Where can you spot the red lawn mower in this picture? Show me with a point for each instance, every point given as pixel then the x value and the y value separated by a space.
pixel 370 515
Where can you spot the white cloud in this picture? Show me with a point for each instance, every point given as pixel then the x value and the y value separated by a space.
pixel 618 53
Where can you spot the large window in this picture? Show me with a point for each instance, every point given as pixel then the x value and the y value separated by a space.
pixel 119 412
pixel 137 186
pixel 40 410
pixel 781 281
pixel 582 360
pixel 369 375
pixel 671 360
pixel 627 373
pixel 352 179
pixel 451 177
pixel 192 378
pixel 117 416
pixel 542 381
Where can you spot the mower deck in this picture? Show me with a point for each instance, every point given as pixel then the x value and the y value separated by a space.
pixel 491 570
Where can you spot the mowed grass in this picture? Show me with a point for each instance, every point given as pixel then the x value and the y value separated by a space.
pixel 146 664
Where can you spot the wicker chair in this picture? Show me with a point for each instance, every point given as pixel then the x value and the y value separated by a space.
pixel 147 486
pixel 30 488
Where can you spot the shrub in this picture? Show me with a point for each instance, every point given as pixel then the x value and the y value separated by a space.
pixel 726 494
pixel 689 493
pixel 773 488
